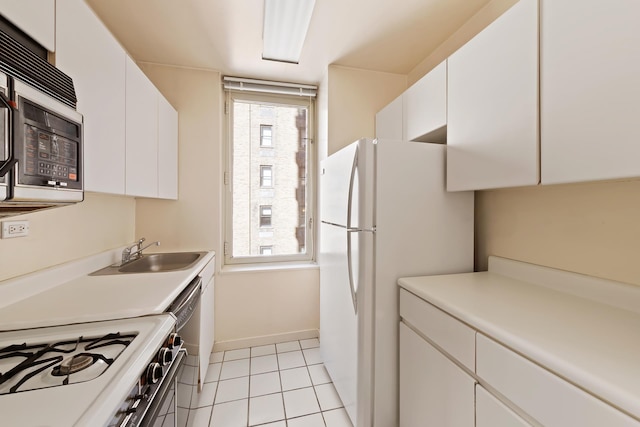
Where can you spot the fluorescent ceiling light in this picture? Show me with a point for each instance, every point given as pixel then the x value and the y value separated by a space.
pixel 285 27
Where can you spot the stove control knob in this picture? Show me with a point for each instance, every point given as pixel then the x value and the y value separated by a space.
pixel 165 356
pixel 154 373
pixel 174 340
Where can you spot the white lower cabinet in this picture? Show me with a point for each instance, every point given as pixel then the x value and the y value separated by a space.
pixel 500 388
pixel 490 412
pixel 434 391
pixel 541 394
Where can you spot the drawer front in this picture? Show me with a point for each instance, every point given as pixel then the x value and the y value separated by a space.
pixel 450 334
pixel 490 412
pixel 546 397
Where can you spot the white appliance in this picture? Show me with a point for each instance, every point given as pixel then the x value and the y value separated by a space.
pixel 385 214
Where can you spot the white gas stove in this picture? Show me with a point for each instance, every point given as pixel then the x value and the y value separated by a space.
pixel 108 373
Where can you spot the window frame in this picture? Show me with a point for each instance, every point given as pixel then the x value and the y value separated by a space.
pixel 231 96
pixel 264 168
pixel 263 127
pixel 262 208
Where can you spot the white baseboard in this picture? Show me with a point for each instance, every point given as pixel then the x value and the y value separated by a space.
pixel 264 340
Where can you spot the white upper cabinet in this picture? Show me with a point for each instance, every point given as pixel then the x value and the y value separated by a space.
pixel 96 62
pixel 34 17
pixel 167 150
pixel 389 121
pixel 590 90
pixel 425 107
pixel 492 121
pixel 141 129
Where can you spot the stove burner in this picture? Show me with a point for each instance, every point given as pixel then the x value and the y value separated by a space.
pixel 28 366
pixel 73 364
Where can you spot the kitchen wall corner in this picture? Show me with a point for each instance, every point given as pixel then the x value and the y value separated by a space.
pixel 354 98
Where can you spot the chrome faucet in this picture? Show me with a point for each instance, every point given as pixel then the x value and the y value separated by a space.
pixel 134 251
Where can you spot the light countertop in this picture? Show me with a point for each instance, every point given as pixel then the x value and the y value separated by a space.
pixel 93 298
pixel 589 343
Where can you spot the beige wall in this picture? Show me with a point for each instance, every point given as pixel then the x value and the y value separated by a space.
pixel 354 98
pixel 256 304
pixel 589 228
pixel 68 233
pixel 247 304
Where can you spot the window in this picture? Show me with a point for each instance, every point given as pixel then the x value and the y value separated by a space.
pixel 266 134
pixel 265 216
pixel 266 176
pixel 269 187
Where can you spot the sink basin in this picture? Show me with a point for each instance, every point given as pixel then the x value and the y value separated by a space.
pixel 155 263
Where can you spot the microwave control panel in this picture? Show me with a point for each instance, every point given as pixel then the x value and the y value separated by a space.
pixel 49 155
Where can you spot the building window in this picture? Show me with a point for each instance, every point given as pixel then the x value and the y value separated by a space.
pixel 266 136
pixel 252 193
pixel 266 176
pixel 265 216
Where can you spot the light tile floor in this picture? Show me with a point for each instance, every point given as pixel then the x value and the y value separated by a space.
pixel 277 385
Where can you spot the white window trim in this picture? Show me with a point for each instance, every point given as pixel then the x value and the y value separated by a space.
pixel 311 177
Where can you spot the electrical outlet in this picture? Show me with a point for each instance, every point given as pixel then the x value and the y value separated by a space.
pixel 11 229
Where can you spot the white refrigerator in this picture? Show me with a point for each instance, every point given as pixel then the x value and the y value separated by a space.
pixel 384 214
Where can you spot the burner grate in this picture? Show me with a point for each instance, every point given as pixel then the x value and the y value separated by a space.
pixel 27 366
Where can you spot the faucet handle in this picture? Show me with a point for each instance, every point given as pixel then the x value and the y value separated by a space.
pixel 142 239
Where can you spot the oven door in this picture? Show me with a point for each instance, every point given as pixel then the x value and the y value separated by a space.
pixel 162 410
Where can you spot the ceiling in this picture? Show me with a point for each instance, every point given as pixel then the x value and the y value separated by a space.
pixel 226 35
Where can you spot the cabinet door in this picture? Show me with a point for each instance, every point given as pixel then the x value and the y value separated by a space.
pixel 141 127
pixel 389 121
pixel 490 412
pixel 167 150
pixel 425 107
pixel 492 129
pixel 34 17
pixel 433 390
pixel 96 62
pixel 590 82
pixel 205 346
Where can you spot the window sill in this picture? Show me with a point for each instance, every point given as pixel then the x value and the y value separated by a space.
pixel 268 266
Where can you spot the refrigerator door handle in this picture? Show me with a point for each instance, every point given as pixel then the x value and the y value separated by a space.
pixel 352 178
pixel 350 268
pixel 354 169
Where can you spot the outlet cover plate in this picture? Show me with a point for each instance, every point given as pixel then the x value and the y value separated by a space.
pixel 11 229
